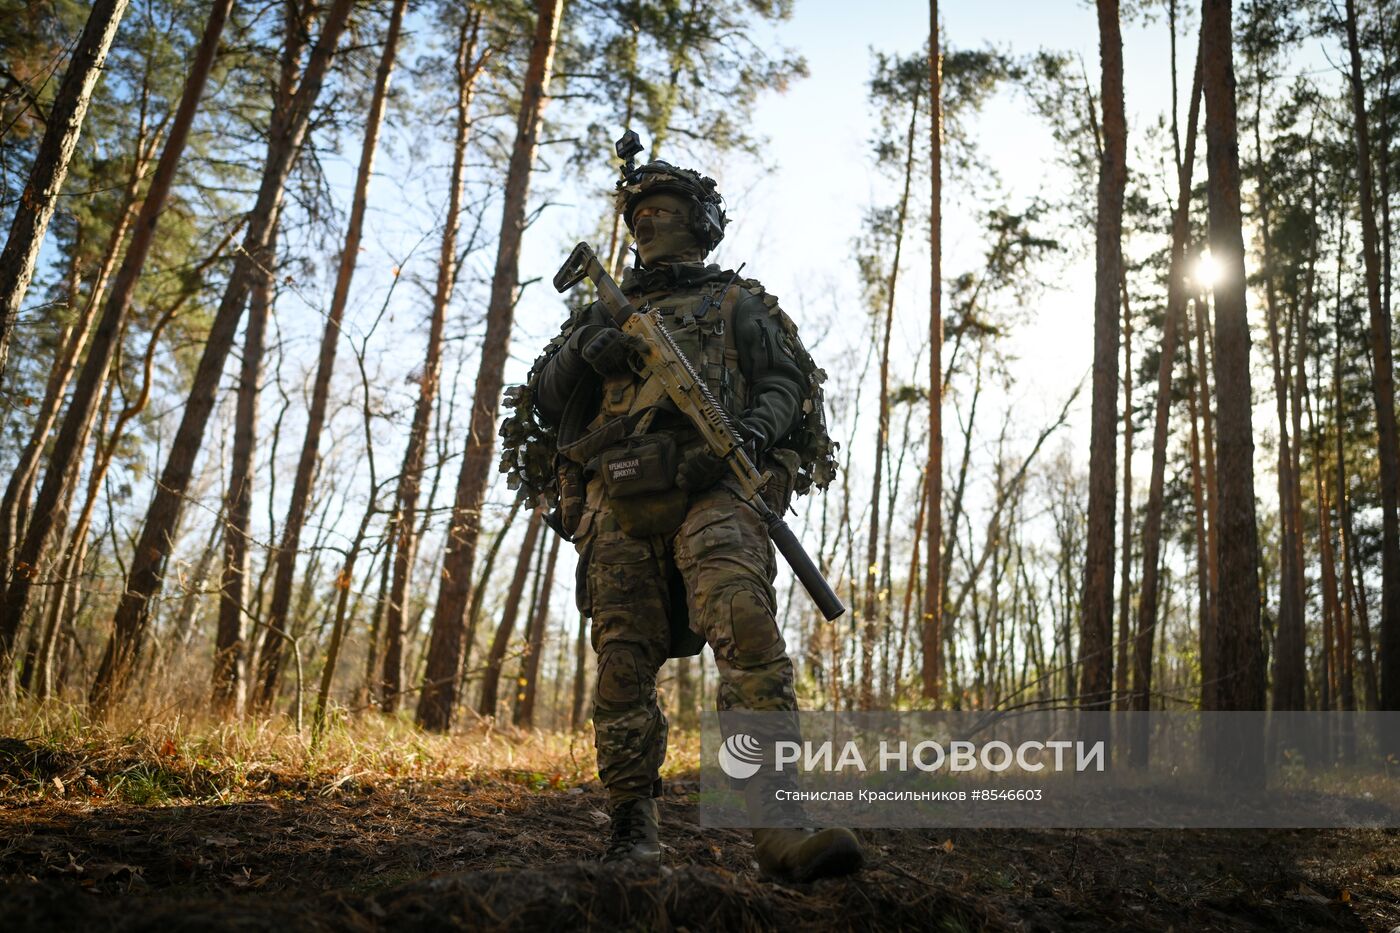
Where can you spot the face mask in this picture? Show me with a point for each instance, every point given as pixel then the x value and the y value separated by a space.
pixel 665 235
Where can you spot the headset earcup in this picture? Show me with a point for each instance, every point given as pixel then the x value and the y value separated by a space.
pixel 714 223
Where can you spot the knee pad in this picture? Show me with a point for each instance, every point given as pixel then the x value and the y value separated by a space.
pixel 741 626
pixel 624 676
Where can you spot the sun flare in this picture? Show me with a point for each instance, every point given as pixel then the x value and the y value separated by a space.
pixel 1207 270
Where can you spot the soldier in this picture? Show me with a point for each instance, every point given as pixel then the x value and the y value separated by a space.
pixel 673 557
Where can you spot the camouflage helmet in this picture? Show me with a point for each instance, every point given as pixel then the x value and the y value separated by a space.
pixel 707 220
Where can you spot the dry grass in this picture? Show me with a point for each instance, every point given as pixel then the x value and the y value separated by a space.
pixel 150 758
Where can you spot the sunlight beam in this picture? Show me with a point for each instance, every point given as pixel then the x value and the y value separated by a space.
pixel 1207 271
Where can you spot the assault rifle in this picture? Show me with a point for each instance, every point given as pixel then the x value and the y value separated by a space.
pixel 667 367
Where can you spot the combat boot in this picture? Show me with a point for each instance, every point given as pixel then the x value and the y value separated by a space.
pixel 784 849
pixel 634 828
pixel 807 854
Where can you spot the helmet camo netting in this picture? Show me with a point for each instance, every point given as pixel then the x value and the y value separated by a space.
pixel 708 219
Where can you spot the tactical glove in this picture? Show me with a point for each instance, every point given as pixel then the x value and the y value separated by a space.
pixel 753 433
pixel 699 469
pixel 609 351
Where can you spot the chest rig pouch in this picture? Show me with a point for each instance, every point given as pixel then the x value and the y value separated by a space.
pixel 639 477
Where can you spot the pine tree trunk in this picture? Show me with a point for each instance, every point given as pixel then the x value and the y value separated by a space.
pixel 556 702
pixel 368 694
pixel 76 549
pixel 20 489
pixel 1206 628
pixel 1383 386
pixel 229 651
pixel 530 664
pixel 931 665
pixel 50 168
pixel 297 18
pixel 488 567
pixel 537 562
pixel 26 569
pixel 438 697
pixel 1206 632
pixel 148 562
pixel 410 476
pixel 290 544
pixel 1210 659
pixel 1121 699
pixel 1289 671
pixel 67 445
pixel 1353 589
pixel 60 576
pixel 1300 334
pixel 1096 640
pixel 1171 325
pixel 491 674
pixel 1337 647
pixel 920 516
pixel 870 610
pixel 63 591
pixel 1242 677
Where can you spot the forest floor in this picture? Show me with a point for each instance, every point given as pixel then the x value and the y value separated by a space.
pixel 169 833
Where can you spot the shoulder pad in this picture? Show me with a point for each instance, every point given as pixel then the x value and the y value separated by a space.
pixel 752 286
pixel 753 289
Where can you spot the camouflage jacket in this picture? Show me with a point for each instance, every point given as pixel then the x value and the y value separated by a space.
pixel 735 334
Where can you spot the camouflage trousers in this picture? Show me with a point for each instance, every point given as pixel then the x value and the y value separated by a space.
pixel 727 564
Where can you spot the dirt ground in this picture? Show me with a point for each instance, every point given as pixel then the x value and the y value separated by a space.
pixel 512 851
